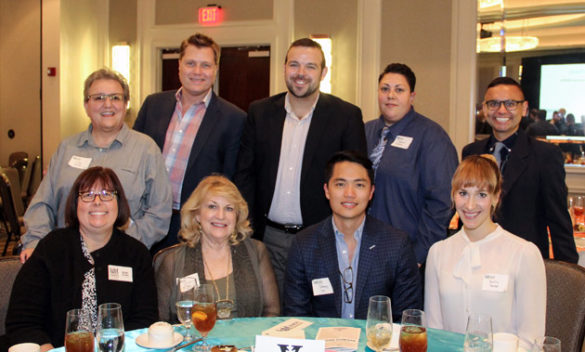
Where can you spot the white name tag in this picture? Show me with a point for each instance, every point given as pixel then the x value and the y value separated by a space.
pixel 119 273
pixel 79 162
pixel 402 142
pixel 495 282
pixel 322 287
pixel 188 282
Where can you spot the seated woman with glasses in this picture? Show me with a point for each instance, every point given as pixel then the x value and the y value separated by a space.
pixel 90 262
pixel 215 247
pixel 483 268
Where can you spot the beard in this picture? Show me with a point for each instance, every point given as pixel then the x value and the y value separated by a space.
pixel 310 88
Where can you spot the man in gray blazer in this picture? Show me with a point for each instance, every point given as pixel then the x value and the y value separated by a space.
pixel 197 131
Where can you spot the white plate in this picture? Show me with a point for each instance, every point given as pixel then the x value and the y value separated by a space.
pixel 142 341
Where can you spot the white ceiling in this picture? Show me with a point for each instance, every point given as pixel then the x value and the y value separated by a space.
pixel 559 24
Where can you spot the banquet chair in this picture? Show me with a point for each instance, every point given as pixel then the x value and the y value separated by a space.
pixel 9 267
pixel 19 161
pixel 565 304
pixel 35 178
pixel 12 222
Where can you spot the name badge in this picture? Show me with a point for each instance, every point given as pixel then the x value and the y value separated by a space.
pixel 495 282
pixel 188 282
pixel 119 273
pixel 402 142
pixel 79 162
pixel 322 287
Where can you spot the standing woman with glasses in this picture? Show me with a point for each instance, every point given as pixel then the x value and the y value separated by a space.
pixel 87 263
pixel 107 142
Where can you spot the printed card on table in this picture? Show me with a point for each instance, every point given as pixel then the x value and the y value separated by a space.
pixel 340 338
pixel 282 344
pixel 291 328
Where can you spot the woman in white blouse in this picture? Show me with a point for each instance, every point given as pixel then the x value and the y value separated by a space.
pixel 483 268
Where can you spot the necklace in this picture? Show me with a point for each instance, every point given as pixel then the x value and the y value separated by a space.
pixel 224 306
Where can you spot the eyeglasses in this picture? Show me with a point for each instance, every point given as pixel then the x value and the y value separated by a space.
pixel 101 98
pixel 347 284
pixel 105 196
pixel 510 105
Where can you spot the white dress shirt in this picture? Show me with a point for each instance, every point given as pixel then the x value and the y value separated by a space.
pixel 501 275
pixel 286 200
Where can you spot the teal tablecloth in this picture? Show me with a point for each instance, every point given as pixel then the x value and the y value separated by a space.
pixel 242 332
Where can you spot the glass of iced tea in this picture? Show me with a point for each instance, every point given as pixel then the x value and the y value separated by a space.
pixel 78 331
pixel 413 332
pixel 379 323
pixel 204 313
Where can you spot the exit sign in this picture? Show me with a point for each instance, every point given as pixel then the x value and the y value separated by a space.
pixel 210 15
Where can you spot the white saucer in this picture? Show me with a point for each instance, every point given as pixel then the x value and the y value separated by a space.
pixel 142 341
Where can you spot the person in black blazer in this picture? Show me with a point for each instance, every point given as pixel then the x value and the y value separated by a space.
pixel 286 142
pixel 375 258
pixel 216 140
pixel 534 193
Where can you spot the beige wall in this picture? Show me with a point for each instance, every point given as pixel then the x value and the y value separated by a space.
pixel 122 29
pixel 337 19
pixel 20 108
pixel 181 11
pixel 418 33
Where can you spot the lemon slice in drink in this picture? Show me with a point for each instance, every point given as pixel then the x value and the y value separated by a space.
pixel 199 315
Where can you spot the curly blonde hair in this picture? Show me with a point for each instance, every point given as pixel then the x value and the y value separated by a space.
pixel 214 185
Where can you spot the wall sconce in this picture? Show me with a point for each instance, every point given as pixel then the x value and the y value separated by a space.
pixel 121 60
pixel 326 44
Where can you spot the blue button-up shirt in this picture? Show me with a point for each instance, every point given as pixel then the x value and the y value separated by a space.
pixel 347 309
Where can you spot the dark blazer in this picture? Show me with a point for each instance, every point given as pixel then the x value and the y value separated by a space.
pixel 534 195
pixel 387 266
pixel 216 145
pixel 336 125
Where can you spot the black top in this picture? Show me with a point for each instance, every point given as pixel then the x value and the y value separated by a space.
pixel 49 284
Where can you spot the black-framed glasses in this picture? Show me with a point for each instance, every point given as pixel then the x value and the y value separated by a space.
pixel 347 278
pixel 105 196
pixel 101 98
pixel 510 105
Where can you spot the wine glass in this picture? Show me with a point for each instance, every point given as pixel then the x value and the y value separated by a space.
pixel 547 344
pixel 478 334
pixel 204 313
pixel 413 333
pixel 379 323
pixel 110 329
pixel 78 331
pixel 185 302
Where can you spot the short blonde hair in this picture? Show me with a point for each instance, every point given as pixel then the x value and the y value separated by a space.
pixel 479 171
pixel 215 185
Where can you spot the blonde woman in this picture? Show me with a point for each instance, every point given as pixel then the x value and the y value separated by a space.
pixel 217 248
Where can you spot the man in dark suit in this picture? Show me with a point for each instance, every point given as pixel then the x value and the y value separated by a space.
pixel 197 131
pixel 286 143
pixel 534 193
pixel 335 266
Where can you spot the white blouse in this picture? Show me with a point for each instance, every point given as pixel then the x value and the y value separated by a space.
pixel 501 275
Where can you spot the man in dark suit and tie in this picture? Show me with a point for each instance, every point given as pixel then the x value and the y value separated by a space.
pixel 335 266
pixel 197 131
pixel 286 142
pixel 534 193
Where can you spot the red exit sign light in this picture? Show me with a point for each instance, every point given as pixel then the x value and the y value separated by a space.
pixel 210 15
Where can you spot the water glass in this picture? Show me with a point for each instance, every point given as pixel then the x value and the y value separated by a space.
pixel 478 334
pixel 78 331
pixel 379 323
pixel 413 333
pixel 185 302
pixel 110 329
pixel 547 344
